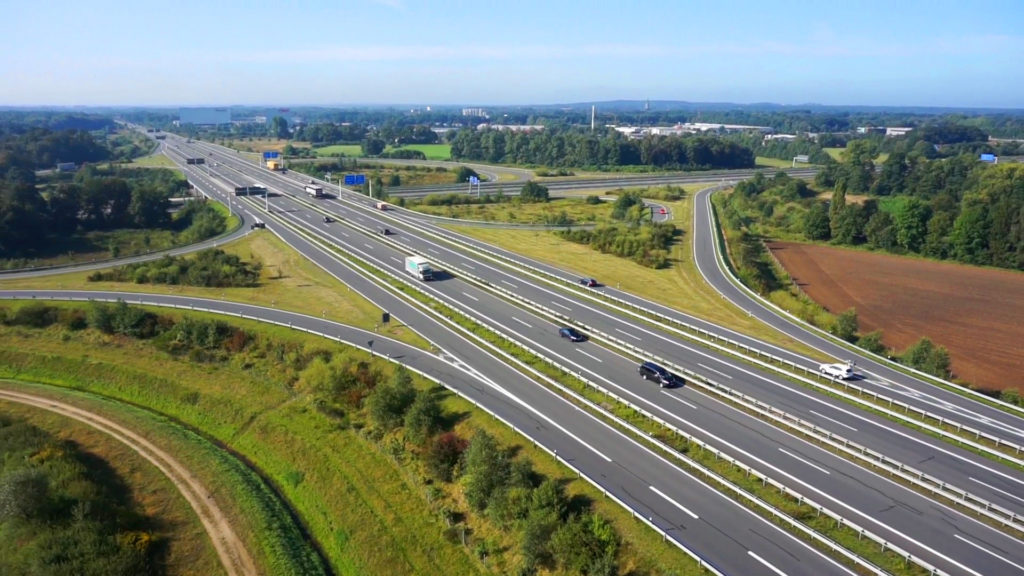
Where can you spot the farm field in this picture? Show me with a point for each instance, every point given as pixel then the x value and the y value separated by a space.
pixel 837 155
pixel 512 211
pixel 431 151
pixel 976 313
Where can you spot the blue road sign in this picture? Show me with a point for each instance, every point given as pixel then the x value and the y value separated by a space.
pixel 990 158
pixel 474 180
pixel 270 154
pixel 355 179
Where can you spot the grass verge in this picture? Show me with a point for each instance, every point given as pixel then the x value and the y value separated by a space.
pixel 257 513
pixel 185 546
pixel 289 282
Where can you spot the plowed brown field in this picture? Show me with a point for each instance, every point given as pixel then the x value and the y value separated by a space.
pixel 976 313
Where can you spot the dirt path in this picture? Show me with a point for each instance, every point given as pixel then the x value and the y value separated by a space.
pixel 232 552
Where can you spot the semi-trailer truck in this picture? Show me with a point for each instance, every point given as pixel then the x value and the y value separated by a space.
pixel 419 267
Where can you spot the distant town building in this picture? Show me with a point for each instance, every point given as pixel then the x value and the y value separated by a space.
pixel 897 131
pixel 783 137
pixel 204 116
pixel 66 167
pixel 512 127
pixel 475 112
pixel 870 130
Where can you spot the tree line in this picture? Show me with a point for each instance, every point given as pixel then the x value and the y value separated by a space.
pixel 576 148
pixel 92 200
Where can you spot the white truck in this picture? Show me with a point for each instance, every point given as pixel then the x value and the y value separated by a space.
pixel 419 267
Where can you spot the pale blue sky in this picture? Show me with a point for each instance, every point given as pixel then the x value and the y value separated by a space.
pixel 184 52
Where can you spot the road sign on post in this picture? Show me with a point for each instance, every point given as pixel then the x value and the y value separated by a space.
pixel 385 317
pixel 270 154
pixel 355 179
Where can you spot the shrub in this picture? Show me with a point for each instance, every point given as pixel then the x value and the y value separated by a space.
pixel 442 455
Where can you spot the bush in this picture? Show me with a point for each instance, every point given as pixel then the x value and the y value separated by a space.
pixel 211 268
pixel 35 315
pixel 424 417
pixel 845 326
pixel 872 342
pixel 927 357
pixel 485 469
pixel 532 192
pixel 443 454
pixel 388 404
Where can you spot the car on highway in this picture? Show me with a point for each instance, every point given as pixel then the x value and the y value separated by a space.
pixel 839 370
pixel 328 219
pixel 256 225
pixel 662 210
pixel 589 282
pixel 572 334
pixel 384 231
pixel 653 372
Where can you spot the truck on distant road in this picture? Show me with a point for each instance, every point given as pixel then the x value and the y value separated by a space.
pixel 275 165
pixel 419 267
pixel 315 190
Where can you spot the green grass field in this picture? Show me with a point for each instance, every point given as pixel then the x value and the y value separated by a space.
pixel 156 161
pixel 186 546
pixel 523 213
pixel 351 150
pixel 765 162
pixel 837 154
pixel 431 151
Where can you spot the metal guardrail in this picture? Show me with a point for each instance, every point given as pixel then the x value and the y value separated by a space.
pixel 956 389
pixel 732 488
pixel 701 561
pixel 703 335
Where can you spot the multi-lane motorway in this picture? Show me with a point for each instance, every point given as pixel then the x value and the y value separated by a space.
pixel 934 532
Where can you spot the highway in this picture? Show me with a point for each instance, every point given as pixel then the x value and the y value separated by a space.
pixel 880 376
pixel 719 417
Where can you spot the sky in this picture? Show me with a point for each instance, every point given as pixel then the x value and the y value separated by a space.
pixel 442 52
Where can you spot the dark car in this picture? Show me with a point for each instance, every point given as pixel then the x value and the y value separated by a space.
pixel 383 231
pixel 589 282
pixel 572 334
pixel 328 219
pixel 256 225
pixel 651 371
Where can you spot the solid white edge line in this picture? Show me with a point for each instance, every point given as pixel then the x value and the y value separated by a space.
pixel 674 503
pixel 678 399
pixel 766 563
pixel 987 551
pixel 715 371
pixel 833 420
pixel 809 463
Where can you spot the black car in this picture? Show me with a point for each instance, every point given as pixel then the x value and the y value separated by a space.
pixel 651 371
pixel 383 231
pixel 256 225
pixel 572 334
pixel 328 219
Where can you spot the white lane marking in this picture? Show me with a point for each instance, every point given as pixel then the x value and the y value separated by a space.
pixel 591 355
pixel 674 503
pixel 766 563
pixel 367 245
pixel 833 420
pixel 510 284
pixel 808 462
pixel 432 250
pixel 715 371
pixel 560 306
pixel 344 234
pixel 627 334
pixel 987 551
pixel 521 322
pixel 469 266
pixel 474 298
pixel 396 259
pixel 1015 497
pixel 678 399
